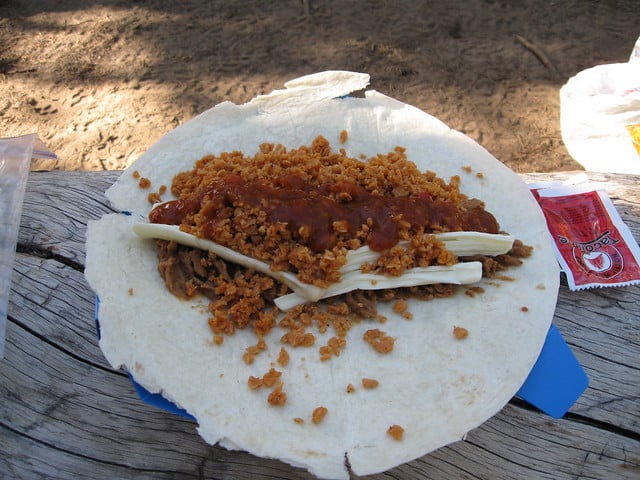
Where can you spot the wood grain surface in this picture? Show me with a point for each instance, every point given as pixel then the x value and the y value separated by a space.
pixel 65 413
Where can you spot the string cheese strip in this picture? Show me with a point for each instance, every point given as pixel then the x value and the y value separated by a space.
pixel 457 274
pixel 461 244
pixel 173 233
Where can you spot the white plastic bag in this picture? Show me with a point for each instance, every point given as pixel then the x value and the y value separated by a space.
pixel 600 116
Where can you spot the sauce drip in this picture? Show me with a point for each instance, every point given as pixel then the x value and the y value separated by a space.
pixel 313 213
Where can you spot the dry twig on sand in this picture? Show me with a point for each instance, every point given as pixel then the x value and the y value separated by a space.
pixel 538 52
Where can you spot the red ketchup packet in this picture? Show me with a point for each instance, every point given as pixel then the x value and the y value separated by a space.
pixel 593 245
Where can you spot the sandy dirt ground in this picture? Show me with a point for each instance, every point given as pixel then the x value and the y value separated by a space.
pixel 101 81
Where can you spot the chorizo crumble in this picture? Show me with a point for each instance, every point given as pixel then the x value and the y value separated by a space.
pixel 379 340
pixel 318 414
pixel 396 431
pixel 369 383
pixel 277 398
pixel 460 333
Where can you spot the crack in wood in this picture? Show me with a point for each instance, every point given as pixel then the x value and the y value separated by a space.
pixel 579 418
pixel 601 425
pixel 125 466
pixel 48 254
pixel 66 351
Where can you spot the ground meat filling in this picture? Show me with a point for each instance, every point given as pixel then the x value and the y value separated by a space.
pixel 188 271
pixel 492 266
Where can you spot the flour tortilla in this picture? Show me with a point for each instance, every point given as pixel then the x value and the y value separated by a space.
pixel 436 387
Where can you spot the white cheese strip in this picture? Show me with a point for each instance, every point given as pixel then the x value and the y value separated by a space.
pixel 461 244
pixel 173 233
pixel 458 274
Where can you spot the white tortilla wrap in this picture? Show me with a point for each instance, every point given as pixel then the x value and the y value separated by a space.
pixel 436 387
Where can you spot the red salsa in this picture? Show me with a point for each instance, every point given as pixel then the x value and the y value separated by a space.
pixel 318 210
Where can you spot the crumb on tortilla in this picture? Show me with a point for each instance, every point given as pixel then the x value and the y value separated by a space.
pixel 467 169
pixel 333 348
pixel 272 377
pixel 130 292
pixel 351 388
pixel 379 340
pixel 541 286
pixel 277 398
pixel 473 291
pixel 135 174
pixel 370 383
pixel 252 351
pixel 144 183
pixel 402 307
pixel 396 432
pixel 524 308
pixel 283 357
pixel 156 197
pixel 344 135
pixel 254 382
pixel 318 414
pixel 505 278
pixel 298 420
pixel 480 175
pixel 298 338
pixel 218 339
pixel 460 333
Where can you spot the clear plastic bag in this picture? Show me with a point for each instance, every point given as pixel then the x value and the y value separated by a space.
pixel 15 159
